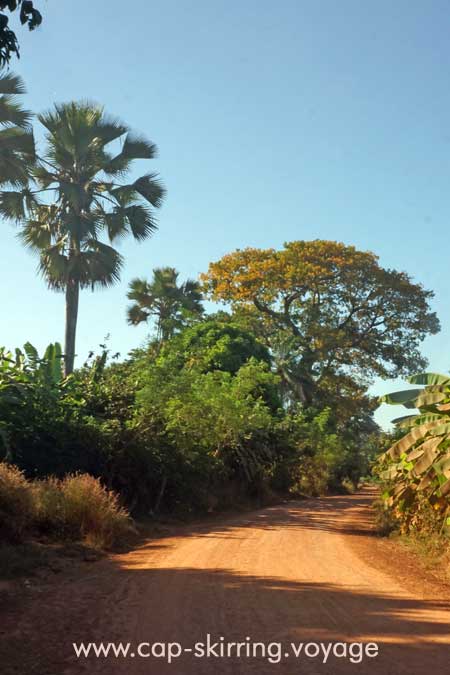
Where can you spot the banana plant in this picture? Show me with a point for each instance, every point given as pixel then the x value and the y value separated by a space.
pixel 26 367
pixel 417 465
pixel 28 380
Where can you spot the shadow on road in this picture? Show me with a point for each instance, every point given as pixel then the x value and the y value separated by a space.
pixel 127 599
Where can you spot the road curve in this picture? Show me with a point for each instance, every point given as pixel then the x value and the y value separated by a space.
pixel 300 572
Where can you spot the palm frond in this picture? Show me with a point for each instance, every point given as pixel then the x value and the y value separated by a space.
pixel 12 113
pixel 116 224
pixel 99 265
pixel 134 147
pixel 43 177
pixel 136 315
pixel 15 166
pixel 150 188
pixel 138 147
pixel 17 153
pixel 71 117
pixel 109 128
pixel 162 297
pixel 11 84
pixel 12 206
pixel 54 266
pixel 14 139
pixel 140 291
pixel 37 236
pixel 141 221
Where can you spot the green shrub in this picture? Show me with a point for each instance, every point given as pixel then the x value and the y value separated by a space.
pixel 16 503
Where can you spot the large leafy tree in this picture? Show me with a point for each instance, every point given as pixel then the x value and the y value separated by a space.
pixel 28 15
pixel 16 136
pixel 170 304
pixel 327 309
pixel 78 197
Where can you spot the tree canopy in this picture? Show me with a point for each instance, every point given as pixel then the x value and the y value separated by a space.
pixel 215 345
pixel 329 308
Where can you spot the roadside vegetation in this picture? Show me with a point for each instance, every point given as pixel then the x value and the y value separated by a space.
pixel 75 508
pixel 265 396
pixel 414 472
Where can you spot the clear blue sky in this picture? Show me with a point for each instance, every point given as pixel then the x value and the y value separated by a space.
pixel 275 121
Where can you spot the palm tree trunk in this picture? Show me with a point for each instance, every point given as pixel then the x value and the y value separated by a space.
pixel 72 300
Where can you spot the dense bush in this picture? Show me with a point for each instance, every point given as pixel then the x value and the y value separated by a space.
pixel 318 456
pixel 198 422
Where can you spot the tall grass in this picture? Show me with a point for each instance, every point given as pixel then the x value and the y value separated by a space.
pixel 16 503
pixel 77 508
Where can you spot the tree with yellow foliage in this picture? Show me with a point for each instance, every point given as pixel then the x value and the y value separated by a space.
pixel 327 309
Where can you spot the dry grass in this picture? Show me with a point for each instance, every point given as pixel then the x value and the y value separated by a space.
pixel 16 503
pixel 77 508
pixel 93 513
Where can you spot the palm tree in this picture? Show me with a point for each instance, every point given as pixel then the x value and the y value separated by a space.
pixel 162 298
pixel 16 137
pixel 78 196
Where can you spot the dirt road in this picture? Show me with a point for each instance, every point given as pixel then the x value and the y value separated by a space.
pixel 300 572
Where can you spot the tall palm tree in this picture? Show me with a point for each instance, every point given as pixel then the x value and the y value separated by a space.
pixel 171 305
pixel 79 196
pixel 16 136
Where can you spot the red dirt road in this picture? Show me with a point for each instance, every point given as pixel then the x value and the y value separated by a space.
pixel 300 572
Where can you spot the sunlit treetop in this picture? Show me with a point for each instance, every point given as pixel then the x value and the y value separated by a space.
pixel 272 276
pixel 342 308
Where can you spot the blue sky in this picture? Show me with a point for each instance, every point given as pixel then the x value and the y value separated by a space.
pixel 274 121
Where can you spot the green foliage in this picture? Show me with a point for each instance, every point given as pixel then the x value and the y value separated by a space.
pixel 318 456
pixel 29 16
pixel 215 414
pixel 187 426
pixel 45 422
pixel 416 468
pixel 215 345
pixel 31 388
pixel 211 407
